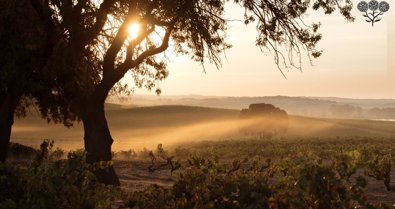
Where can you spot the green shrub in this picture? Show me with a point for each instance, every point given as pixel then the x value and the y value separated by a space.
pixel 297 182
pixel 313 176
pixel 51 183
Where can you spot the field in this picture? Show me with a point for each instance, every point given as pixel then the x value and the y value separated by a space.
pixel 145 127
pixel 186 132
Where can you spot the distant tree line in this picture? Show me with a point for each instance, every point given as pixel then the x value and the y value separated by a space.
pixel 381 113
pixel 351 111
pixel 345 111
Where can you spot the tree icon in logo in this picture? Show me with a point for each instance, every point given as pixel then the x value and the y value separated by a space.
pixel 373 6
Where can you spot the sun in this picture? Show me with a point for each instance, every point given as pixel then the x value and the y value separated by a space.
pixel 133 30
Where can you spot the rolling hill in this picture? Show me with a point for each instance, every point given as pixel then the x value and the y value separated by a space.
pixel 323 107
pixel 139 127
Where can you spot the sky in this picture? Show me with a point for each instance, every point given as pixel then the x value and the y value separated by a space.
pixel 356 63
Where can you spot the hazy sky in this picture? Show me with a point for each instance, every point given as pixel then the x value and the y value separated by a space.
pixel 355 63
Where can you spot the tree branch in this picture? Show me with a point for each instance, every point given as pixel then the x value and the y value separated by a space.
pixel 43 14
pixel 116 46
pixel 69 21
pixel 101 18
pixel 129 64
pixel 43 11
pixel 150 19
pixel 137 41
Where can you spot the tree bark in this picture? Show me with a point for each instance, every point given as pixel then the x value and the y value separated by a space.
pixel 97 136
pixel 7 108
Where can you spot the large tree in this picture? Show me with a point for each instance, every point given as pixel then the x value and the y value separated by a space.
pixel 193 27
pixel 26 46
pixel 93 50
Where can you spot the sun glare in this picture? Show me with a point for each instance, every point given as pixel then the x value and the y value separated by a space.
pixel 134 30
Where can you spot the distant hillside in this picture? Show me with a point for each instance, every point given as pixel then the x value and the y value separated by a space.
pixel 364 103
pixel 166 115
pixel 293 105
pixel 144 126
pixel 141 127
pixel 326 107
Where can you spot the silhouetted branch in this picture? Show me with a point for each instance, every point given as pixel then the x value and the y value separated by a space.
pixel 116 46
pixel 169 162
pixel 128 64
pixel 101 18
pixel 133 43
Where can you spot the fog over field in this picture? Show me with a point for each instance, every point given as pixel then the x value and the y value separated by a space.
pixel 145 127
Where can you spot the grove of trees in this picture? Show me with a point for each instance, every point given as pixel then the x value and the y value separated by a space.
pixel 67 56
pixel 263 120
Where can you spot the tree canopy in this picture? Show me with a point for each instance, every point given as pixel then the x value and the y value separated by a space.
pixel 27 45
pixel 96 33
pixel 84 42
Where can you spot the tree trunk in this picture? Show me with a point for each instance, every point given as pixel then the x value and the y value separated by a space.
pixel 7 109
pixel 97 137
